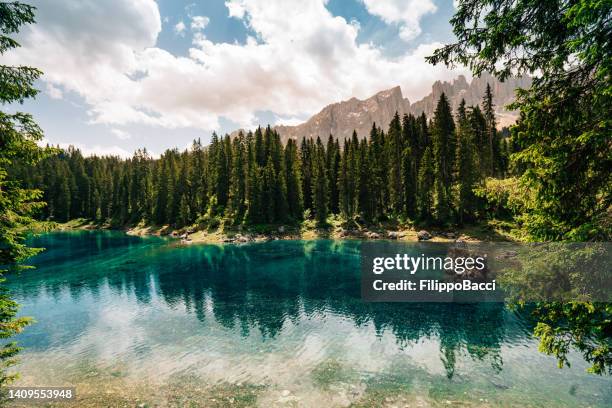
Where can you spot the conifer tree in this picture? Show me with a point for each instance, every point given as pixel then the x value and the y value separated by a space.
pixel 267 193
pixel 62 198
pixel 425 186
pixel 254 193
pixel 465 167
pixel 410 160
pixel 443 151
pixel 353 167
pixel 343 184
pixel 224 158
pixel 409 177
pixel 377 174
pixel 279 186
pixel 479 128
pixel 333 165
pixel 307 170
pixel 423 137
pixel 172 207
pixel 182 191
pixel 394 154
pixel 134 183
pixel 294 180
pixel 260 151
pixel 146 190
pixel 320 184
pixel 162 192
pixel 238 178
pixel 124 199
pixel 492 152
pixel 184 217
pixel 364 196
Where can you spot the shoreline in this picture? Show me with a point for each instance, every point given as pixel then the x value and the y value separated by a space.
pixel 306 231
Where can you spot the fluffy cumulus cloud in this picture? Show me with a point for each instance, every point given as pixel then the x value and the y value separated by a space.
pixel 405 13
pixel 179 28
pixel 302 59
pixel 199 23
pixel 92 150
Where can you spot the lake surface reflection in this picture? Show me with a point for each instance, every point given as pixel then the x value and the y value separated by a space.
pixel 270 324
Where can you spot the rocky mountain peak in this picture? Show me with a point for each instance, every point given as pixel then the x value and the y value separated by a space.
pixel 341 118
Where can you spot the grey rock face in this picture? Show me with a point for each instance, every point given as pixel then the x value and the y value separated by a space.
pixel 341 118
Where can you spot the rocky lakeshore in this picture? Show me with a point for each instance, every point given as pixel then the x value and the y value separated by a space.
pixel 305 231
pixel 243 236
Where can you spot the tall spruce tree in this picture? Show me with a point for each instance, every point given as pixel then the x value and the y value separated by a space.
pixel 344 184
pixel 443 135
pixel 377 174
pixel 410 160
pixel 294 181
pixel 409 183
pixel 425 186
pixel 320 184
pixel 478 125
pixel 364 195
pixel 306 153
pixel 394 155
pixel 465 167
pixel 239 176
pixel 333 165
pixel 492 151
pixel 162 192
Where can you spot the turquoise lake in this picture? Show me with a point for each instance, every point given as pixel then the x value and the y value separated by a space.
pixel 135 321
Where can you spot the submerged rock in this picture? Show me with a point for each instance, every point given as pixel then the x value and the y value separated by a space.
pixel 423 235
pixel 393 235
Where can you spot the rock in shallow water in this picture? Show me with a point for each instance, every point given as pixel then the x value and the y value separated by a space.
pixel 423 235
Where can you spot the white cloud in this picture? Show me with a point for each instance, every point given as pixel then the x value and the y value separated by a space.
pixel 291 121
pixel 54 92
pixel 179 28
pixel 95 150
pixel 199 23
pixel 98 150
pixel 121 134
pixel 405 13
pixel 235 9
pixel 303 59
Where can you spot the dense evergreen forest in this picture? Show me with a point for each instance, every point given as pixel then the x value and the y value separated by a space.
pixel 415 170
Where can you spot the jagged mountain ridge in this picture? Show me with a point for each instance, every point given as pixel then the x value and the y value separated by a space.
pixel 341 118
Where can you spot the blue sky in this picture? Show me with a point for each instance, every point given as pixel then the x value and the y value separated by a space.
pixel 124 74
